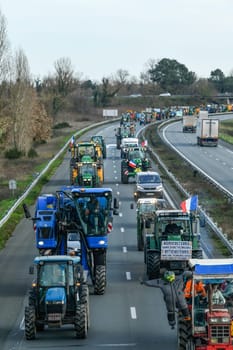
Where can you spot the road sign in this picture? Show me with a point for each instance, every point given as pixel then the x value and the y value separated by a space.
pixel 12 185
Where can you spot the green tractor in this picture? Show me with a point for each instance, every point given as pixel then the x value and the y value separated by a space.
pixel 134 161
pixel 175 240
pixel 58 296
pixel 86 174
pixel 146 209
pixel 86 153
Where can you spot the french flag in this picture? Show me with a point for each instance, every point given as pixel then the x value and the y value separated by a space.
pixel 189 204
pixel 132 164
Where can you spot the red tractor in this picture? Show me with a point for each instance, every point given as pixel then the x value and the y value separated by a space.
pixel 211 324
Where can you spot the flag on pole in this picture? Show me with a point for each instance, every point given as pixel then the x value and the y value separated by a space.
pixel 189 204
pixel 132 164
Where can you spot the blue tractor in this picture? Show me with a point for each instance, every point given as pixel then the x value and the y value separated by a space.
pixel 58 296
pixel 87 212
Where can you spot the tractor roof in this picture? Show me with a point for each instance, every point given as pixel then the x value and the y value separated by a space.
pixel 212 268
pixel 56 258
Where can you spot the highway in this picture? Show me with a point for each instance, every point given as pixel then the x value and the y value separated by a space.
pixel 127 316
pixel 216 162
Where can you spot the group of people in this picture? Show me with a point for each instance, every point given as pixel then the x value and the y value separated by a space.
pixel 178 293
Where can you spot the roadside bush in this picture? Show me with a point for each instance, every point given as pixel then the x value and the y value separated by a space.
pixel 32 153
pixel 61 125
pixel 13 153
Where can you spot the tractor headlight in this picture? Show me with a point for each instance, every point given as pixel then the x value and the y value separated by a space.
pixel 139 187
pixel 220 320
pixel 41 243
pixel 102 242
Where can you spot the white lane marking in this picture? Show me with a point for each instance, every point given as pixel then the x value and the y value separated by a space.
pixel 128 276
pixel 118 193
pixel 115 171
pixel 117 184
pixel 120 214
pixel 115 177
pixel 122 229
pixel 124 249
pixel 133 312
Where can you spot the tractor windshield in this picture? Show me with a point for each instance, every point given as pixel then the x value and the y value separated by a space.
pixel 94 212
pixel 136 154
pixel 175 226
pixel 52 275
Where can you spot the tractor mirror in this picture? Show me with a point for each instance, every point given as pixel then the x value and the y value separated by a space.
pixel 31 270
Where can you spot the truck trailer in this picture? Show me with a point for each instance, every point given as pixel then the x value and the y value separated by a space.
pixel 207 132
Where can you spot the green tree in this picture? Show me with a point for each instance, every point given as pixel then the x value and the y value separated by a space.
pixel 171 75
pixel 218 79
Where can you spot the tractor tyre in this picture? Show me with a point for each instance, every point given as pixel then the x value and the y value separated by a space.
pixel 80 322
pixel 32 298
pixel 153 265
pixel 30 322
pixel 100 279
pixel 197 254
pixel 84 299
pixel 184 334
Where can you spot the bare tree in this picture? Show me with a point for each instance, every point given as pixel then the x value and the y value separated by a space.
pixel 4 49
pixel 64 75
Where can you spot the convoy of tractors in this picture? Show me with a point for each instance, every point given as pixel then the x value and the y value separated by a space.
pixel 168 238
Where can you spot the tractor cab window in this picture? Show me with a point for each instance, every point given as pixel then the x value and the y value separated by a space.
pixel 52 275
pixel 45 232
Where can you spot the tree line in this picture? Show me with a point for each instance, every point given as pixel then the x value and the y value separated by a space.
pixel 29 106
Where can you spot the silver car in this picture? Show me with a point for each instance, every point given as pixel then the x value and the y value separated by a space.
pixel 148 184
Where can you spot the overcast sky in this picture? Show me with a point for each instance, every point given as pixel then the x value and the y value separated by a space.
pixel 102 36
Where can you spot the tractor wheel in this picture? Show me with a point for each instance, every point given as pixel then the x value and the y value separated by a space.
pixel 84 299
pixel 197 254
pixel 80 322
pixel 30 323
pixel 153 265
pixel 32 298
pixel 100 279
pixel 184 335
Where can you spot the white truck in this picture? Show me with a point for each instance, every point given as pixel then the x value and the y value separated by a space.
pixel 207 132
pixel 189 123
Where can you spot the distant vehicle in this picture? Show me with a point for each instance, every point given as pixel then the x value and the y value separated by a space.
pixel 135 95
pixel 165 94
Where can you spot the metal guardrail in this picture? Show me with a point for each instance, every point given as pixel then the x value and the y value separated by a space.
pixel 208 220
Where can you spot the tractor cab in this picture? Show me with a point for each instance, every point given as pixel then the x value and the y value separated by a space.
pixel 212 315
pixel 58 296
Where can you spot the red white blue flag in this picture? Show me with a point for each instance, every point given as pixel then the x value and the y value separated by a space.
pixel 132 164
pixel 189 204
